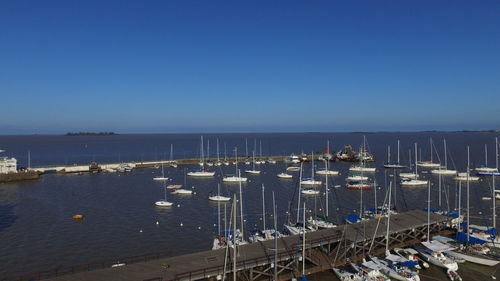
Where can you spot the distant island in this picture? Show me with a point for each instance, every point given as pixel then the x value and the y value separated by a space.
pixel 91 134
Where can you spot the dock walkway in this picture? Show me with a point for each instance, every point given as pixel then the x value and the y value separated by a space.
pixel 325 248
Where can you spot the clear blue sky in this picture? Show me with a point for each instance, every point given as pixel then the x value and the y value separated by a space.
pixel 222 66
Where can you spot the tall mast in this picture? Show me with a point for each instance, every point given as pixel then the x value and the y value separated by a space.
pixel 430 140
pixel 496 149
pixel 263 209
pixel 241 208
pixel 300 190
pixel 428 211
pixel 246 147
pixel 388 219
pixel 234 239
pixel 260 143
pixel 486 155
pixel 29 160
pixel 445 155
pixel 493 199
pixel 312 165
pixel 218 209
pixel 416 169
pixel 218 160
pixel 275 241
pixel 388 154
pixel 304 243
pixel 398 152
pixel 171 152
pixel 459 201
pixel 201 148
pixel 326 187
pixel 208 149
pixel 468 171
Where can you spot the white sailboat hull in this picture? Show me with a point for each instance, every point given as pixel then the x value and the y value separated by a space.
pixel 201 174
pixel 444 172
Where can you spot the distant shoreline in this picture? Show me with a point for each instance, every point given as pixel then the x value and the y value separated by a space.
pixel 91 134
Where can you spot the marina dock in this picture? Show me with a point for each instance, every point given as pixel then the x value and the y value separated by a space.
pixel 324 250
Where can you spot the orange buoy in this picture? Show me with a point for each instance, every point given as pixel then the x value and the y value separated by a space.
pixel 78 217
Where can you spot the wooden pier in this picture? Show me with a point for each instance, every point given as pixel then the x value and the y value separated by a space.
pixel 324 249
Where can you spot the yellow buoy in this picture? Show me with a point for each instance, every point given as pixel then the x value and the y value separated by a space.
pixel 78 217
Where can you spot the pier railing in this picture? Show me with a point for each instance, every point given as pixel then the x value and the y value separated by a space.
pixel 88 267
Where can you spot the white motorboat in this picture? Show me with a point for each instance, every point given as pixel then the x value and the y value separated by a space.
pixel 293 169
pixel 284 176
pixel 294 159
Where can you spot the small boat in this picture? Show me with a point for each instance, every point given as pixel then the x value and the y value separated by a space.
pixel 344 275
pixel 234 179
pixel 201 173
pixel 408 175
pixel 309 191
pixel 327 172
pixel 465 177
pixel 219 198
pixel 293 169
pixel 78 217
pixel 474 254
pixel 428 164
pixel 320 223
pixel 253 171
pixel 444 172
pixel 356 178
pixel 432 253
pixel 413 182
pixel 182 191
pixel 310 181
pixel 362 169
pixel 164 202
pixel 294 159
pixel 412 255
pixel 359 185
pixel 284 176
pixel 174 186
pixel 369 274
pixel 271 161
pixel 392 270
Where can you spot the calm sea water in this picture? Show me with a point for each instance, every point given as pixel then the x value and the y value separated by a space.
pixel 38 233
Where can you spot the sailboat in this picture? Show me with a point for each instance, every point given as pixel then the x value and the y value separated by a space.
pixel 444 171
pixel 171 161
pixel 393 166
pixel 319 222
pixel 237 176
pixel 326 171
pixel 432 253
pixel 164 202
pixel 162 178
pixel 475 254
pixel 485 168
pixel 253 170
pixel 179 190
pixel 218 197
pixel 264 233
pixel 490 171
pixel 414 181
pixel 430 163
pixel 201 172
pixel 297 227
pixel 394 270
pixel 311 180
